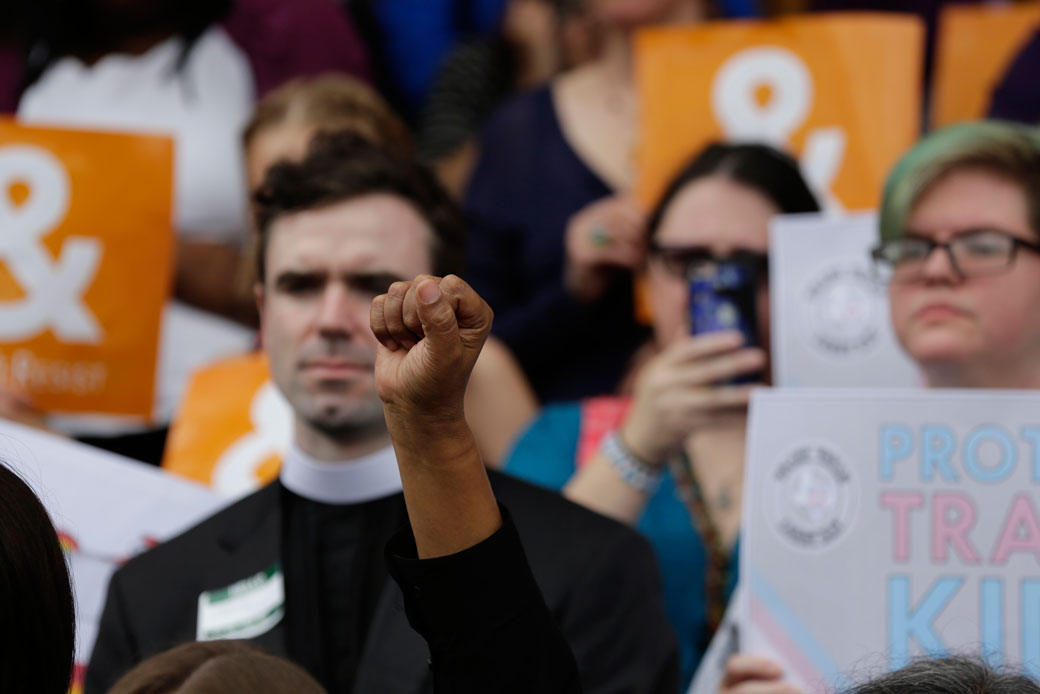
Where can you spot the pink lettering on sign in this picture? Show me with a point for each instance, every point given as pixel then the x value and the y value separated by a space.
pixel 953 517
pixel 1021 531
pixel 901 504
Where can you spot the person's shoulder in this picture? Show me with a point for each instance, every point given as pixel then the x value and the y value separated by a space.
pixel 541 514
pixel 191 549
pixel 544 452
pixel 526 114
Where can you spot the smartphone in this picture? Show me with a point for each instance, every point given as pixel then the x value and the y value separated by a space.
pixel 723 296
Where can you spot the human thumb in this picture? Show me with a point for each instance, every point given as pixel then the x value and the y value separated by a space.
pixel 439 323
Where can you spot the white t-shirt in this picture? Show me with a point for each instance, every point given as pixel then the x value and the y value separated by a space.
pixel 204 107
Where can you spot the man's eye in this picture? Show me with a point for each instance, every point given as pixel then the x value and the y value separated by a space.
pixel 373 285
pixel 301 284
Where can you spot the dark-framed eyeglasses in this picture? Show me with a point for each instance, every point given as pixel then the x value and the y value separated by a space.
pixel 974 253
pixel 686 262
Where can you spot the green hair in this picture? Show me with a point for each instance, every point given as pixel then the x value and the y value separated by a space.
pixel 1008 149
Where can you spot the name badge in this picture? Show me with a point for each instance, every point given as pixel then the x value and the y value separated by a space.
pixel 244 609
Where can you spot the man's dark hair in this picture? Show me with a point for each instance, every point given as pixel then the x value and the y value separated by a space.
pixel 38 630
pixel 949 675
pixel 343 166
pixel 762 168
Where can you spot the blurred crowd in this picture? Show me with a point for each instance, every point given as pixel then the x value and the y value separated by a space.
pixel 325 152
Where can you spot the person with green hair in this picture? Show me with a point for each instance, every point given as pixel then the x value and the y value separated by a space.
pixel 959 247
pixel 960 250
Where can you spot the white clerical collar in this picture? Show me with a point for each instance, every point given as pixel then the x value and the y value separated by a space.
pixel 355 481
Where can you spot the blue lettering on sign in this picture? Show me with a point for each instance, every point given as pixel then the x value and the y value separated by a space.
pixel 937 445
pixel 897 442
pixel 1008 456
pixel 991 608
pixel 1031 627
pixel 904 624
pixel 1032 434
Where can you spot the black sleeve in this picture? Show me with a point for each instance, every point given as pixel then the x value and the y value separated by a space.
pixel 114 650
pixel 484 618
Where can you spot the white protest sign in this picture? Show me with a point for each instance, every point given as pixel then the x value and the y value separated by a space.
pixel 106 509
pixel 880 525
pixel 830 317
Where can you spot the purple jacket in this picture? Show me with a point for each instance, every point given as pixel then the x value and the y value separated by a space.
pixel 281 38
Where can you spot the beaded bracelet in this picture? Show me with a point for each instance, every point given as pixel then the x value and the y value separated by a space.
pixel 633 471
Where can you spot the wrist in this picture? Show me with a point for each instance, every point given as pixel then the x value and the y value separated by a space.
pixel 641 447
pixel 425 440
pixel 634 472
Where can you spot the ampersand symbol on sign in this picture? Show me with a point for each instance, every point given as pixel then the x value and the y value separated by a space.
pixel 53 289
pixel 235 473
pixel 744 118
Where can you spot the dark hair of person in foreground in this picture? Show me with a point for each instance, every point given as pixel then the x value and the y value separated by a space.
pixel 343 166
pixel 38 629
pixel 216 667
pixel 950 675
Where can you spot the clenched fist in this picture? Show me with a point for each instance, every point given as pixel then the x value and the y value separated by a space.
pixel 431 331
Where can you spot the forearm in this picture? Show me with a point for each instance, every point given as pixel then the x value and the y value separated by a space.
pixel 451 506
pixel 599 486
pixel 210 276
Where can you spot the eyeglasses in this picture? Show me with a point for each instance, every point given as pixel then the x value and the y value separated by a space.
pixel 686 262
pixel 976 253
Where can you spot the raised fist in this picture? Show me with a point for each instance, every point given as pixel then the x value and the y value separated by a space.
pixel 430 331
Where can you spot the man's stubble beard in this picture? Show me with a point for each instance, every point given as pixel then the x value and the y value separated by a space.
pixel 348 424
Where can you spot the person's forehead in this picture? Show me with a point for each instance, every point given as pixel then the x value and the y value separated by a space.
pixel 380 229
pixel 970 198
pixel 717 211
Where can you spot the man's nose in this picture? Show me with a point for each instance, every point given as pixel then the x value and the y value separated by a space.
pixel 340 313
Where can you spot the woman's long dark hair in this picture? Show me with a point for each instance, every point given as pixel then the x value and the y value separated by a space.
pixel 760 167
pixel 38 629
pixel 53 29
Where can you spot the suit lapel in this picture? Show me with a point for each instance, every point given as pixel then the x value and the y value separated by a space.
pixel 396 659
pixel 252 543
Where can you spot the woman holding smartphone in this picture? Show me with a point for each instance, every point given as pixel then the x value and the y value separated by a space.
pixel 669 457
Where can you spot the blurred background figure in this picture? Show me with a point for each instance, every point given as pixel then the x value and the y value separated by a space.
pixel 191 70
pixel 553 235
pixel 216 667
pixel 960 247
pixel 499 399
pixel 38 635
pixel 1016 97
pixel 537 40
pixel 670 458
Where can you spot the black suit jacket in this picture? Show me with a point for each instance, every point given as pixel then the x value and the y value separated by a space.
pixel 484 618
pixel 598 577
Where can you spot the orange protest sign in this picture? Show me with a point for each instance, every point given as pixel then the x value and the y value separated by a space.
pixel 975 47
pixel 85 266
pixel 233 427
pixel 842 92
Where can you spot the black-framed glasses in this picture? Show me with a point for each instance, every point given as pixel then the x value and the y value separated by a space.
pixel 975 253
pixel 686 262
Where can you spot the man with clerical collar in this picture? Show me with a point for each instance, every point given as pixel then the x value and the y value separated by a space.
pixel 298 567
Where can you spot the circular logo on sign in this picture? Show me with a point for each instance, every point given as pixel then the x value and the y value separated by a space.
pixel 844 310
pixel 812 497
